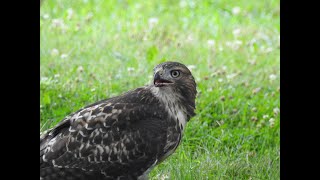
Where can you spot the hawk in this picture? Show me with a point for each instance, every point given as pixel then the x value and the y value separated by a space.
pixel 122 137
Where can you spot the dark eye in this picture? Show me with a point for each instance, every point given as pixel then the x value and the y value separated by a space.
pixel 175 73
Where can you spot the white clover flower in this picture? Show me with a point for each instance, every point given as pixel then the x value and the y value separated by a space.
pixel 45 16
pixel 130 69
pixel 164 177
pixel 137 6
pixel 220 80
pixel 224 68
pixel 276 111
pixel 192 4
pixel 182 4
pixel 89 16
pixel 211 42
pixel 57 23
pixel 236 32
pixel 256 90
pixel 265 116
pixel 70 13
pixel 80 69
pixel 153 21
pixel 234 44
pixel 231 76
pixel 54 52
pixel 44 79
pixel 236 10
pixel 271 120
pixel 268 50
pixel 63 56
pixel 272 77
pixel 190 38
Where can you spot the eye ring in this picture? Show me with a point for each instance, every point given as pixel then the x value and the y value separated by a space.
pixel 175 73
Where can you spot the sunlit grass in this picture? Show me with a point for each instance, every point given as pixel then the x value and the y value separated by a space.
pixel 91 50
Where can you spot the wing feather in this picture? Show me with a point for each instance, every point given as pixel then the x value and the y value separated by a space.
pixel 106 136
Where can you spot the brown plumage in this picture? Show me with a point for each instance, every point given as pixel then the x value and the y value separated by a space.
pixel 123 137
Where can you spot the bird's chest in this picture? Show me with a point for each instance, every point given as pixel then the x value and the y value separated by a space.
pixel 175 128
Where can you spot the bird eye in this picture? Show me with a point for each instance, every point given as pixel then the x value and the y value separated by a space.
pixel 175 73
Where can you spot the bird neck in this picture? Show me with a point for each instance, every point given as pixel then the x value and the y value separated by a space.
pixel 175 103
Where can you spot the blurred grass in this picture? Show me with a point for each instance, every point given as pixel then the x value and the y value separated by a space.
pixel 91 50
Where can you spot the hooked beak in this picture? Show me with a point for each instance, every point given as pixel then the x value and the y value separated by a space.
pixel 158 81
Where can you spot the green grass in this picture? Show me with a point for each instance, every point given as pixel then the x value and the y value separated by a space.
pixel 108 47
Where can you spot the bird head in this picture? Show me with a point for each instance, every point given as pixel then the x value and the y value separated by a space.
pixel 175 78
pixel 170 74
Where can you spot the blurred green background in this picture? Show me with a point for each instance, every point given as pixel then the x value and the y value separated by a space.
pixel 93 49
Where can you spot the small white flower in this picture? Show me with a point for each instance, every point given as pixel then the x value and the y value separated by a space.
pixel 46 16
pixel 234 44
pixel 44 78
pixel 192 4
pixel 137 6
pixel 237 42
pixel 211 42
pixel 231 76
pixel 153 21
pixel 89 15
pixel 256 90
pixel 93 89
pixel 182 4
pixel 220 80
pixel 272 77
pixel 54 52
pixel 164 177
pixel 271 120
pixel 80 69
pixel 236 32
pixel 265 116
pixel 252 62
pixel 63 56
pixel 57 23
pixel 276 111
pixel 190 38
pixel 268 50
pixel 130 69
pixel 224 68
pixel 56 75
pixel 236 10
pixel 70 13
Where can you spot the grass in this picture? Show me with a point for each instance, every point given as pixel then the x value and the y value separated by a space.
pixel 92 50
